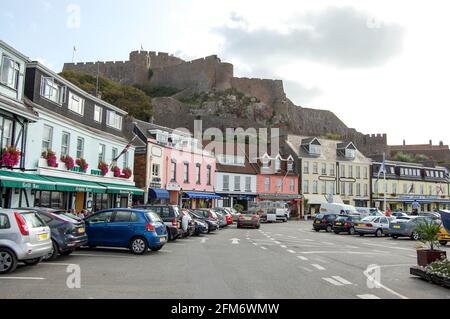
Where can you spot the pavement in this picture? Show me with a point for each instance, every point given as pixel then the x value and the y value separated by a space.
pixel 281 261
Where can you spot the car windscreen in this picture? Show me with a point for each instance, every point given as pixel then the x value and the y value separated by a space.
pixel 369 219
pixel 319 216
pixel 33 220
pixel 68 217
pixel 342 218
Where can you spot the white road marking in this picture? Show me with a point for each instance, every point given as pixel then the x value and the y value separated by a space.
pixel 307 239
pixel 272 238
pixel 292 237
pixel 291 251
pixel 318 267
pixel 327 243
pixel 235 241
pixel 384 246
pixel 342 280
pixel 277 242
pixel 204 240
pixel 368 296
pixel 307 269
pixel 367 273
pixel 56 264
pixel 283 246
pixel 339 252
pixel 100 255
pixel 302 258
pixel 23 278
pixel 332 281
pixel 412 256
pixel 178 244
pixel 165 251
pixel 262 247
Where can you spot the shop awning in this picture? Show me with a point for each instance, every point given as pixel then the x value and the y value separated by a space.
pixel 122 189
pixel 158 193
pixel 75 185
pixel 202 195
pixel 25 180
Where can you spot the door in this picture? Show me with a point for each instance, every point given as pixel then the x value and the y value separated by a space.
pixel 120 230
pixel 80 201
pixel 95 228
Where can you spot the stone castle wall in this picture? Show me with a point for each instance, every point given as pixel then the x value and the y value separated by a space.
pixel 266 90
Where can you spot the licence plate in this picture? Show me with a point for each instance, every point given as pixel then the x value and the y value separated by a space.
pixel 43 236
pixel 318 222
pixel 247 218
pixel 338 224
pixel 361 225
pixel 397 226
pixel 162 239
pixel 81 230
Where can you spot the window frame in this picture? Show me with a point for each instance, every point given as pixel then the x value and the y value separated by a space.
pixel 50 141
pixel 96 108
pixel 73 97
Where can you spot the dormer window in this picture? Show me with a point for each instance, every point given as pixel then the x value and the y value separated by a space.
pixel 290 164
pixel 265 161
pixel 10 72
pixel 52 90
pixel 314 149
pixel 76 104
pixel 114 120
pixel 350 153
pixel 348 150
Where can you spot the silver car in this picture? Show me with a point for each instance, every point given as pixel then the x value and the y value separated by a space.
pixel 23 237
pixel 406 227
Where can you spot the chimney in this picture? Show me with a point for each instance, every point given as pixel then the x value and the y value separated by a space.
pixel 431 142
pixel 441 143
pixel 404 142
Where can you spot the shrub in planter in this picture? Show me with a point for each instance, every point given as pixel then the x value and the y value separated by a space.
pixel 81 162
pixel 440 268
pixel 238 207
pixel 428 232
pixel 116 171
pixel 103 167
pixel 50 156
pixel 68 161
pixel 10 156
pixel 126 173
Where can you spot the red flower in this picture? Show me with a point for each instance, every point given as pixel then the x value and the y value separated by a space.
pixel 103 167
pixel 116 171
pixel 10 157
pixel 68 160
pixel 50 156
pixel 127 173
pixel 81 162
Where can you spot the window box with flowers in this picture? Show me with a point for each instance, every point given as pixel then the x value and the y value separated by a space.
pixel 82 164
pixel 116 171
pixel 50 156
pixel 10 156
pixel 126 173
pixel 104 168
pixel 68 161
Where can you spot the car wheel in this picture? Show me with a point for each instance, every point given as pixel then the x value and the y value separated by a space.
pixel 351 231
pixel 32 262
pixel 317 230
pixel 379 233
pixel 66 252
pixel 156 248
pixel 336 232
pixel 361 234
pixel 394 236
pixel 53 254
pixel 8 261
pixel 415 236
pixel 259 226
pixel 443 242
pixel 138 246
pixel 329 229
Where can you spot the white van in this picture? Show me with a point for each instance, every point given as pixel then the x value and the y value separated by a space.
pixel 338 209
pixel 369 211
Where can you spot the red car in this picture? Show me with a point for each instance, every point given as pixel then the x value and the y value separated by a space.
pixel 226 214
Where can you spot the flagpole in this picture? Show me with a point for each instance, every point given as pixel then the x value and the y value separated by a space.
pixel 384 176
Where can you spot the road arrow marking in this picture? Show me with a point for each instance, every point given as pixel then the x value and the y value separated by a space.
pixel 235 241
pixel 204 240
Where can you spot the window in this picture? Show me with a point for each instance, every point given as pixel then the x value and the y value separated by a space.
pixel 324 187
pixel 394 188
pixel 122 217
pixel 358 189
pixel 280 184
pixel 155 170
pixel 315 168
pixel 173 171
pixel 186 172
pixel 315 187
pixel 114 120
pixel 265 162
pixel 114 153
pixel 198 173
pixel 65 144
pixel 421 190
pixel 342 171
pixel 237 183
pixel 277 164
pixel 405 189
pixel 314 149
pixel 350 171
pixel 101 218
pixel 350 189
pixel 101 152
pixel 10 72
pixel 47 138
pixel 342 188
pixel 6 129
pixel 290 165
pixel 80 147
pixel 226 182
pixel 350 153
pixel 366 172
pixel 248 184
pixel 292 185
pixel 366 189
pixel 332 188
pixel 358 172
pixel 4 222
pixel 332 169
pixel 76 104
pixel 267 184
pixel 126 160
pixel 98 112
pixel 208 175
pixel 324 168
pixel 52 91
pixel 306 167
pixel 305 186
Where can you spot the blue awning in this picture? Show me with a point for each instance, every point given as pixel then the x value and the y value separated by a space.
pixel 202 195
pixel 157 193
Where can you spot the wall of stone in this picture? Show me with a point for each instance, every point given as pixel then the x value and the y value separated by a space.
pixel 266 90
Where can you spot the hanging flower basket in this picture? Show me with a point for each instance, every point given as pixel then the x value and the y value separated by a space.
pixel 10 156
pixel 68 161
pixel 81 162
pixel 126 173
pixel 116 171
pixel 103 167
pixel 50 156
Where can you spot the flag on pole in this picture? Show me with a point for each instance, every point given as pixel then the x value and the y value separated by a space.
pixel 382 170
pixel 411 189
pixel 124 151
pixel 439 189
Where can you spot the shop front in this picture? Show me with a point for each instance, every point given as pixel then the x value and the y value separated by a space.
pixel 199 200
pixel 230 200
pixel 292 200
pixel 405 203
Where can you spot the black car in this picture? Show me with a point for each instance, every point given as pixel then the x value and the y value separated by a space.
pixel 67 233
pixel 201 226
pixel 344 224
pixel 171 216
pixel 212 223
pixel 324 222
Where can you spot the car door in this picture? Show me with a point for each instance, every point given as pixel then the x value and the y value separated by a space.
pixel 95 228
pixel 120 230
pixel 384 223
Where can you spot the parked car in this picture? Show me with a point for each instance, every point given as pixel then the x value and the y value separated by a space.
pixel 345 224
pixel 135 229
pixel 399 214
pixel 324 222
pixel 249 220
pixel 201 226
pixel 369 211
pixel 226 214
pixel 24 237
pixel 204 216
pixel 337 209
pixel 233 213
pixel 187 223
pixel 208 213
pixel 405 227
pixel 375 225
pixel 222 218
pixel 170 214
pixel 444 236
pixel 67 234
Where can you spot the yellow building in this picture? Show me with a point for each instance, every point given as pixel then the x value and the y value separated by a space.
pixel 407 183
pixel 330 171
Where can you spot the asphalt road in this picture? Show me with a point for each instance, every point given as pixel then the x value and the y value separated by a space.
pixel 284 260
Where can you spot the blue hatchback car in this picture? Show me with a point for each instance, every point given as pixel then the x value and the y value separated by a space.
pixel 138 230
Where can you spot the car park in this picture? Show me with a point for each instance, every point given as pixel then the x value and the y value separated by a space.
pixel 405 227
pixel 344 224
pixel 226 214
pixel 234 213
pixel 324 222
pixel 205 217
pixel 67 234
pixel 24 237
pixel 171 216
pixel 222 219
pixel 138 230
pixel 444 236
pixel 399 214
pixel 200 225
pixel 249 220
pixel 375 225
pixel 187 223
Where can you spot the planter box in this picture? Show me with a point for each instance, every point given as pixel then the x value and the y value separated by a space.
pixel 444 282
pixel 426 257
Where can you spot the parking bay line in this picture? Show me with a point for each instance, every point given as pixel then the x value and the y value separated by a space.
pixel 23 278
pixel 318 267
pixel 367 296
pixel 333 282
pixel 109 256
pixel 342 280
pixel 302 258
pixel 291 251
pixel 339 252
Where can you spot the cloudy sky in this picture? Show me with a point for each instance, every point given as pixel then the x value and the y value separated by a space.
pixel 381 66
